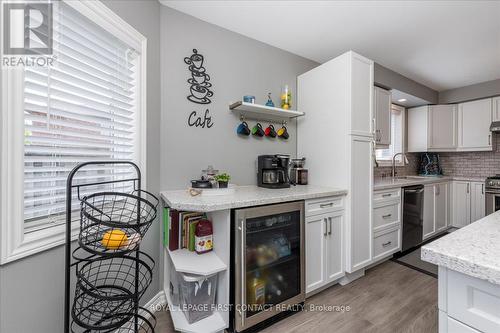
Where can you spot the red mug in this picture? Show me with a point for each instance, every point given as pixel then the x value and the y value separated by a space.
pixel 270 132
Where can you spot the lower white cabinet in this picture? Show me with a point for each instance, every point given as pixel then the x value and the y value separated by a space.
pixel 386 223
pixel 467 304
pixel 324 244
pixel 477 204
pixel 436 209
pixel 468 202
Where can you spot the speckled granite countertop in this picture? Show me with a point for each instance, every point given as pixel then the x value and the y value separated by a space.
pixel 388 182
pixel 245 196
pixel 473 250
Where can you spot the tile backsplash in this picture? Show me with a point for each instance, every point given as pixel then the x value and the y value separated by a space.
pixel 479 164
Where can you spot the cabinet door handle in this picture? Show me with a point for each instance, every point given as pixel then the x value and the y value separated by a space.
pixel 386 216
pixel 482 188
pixel 489 140
pixel 468 185
pixel 326 227
pixel 386 195
pixel 330 219
pixel 387 244
pixel 330 204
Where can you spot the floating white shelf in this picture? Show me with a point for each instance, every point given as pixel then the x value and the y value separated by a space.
pixel 214 323
pixel 186 261
pixel 263 112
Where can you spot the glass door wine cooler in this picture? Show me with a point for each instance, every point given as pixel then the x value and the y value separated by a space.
pixel 269 262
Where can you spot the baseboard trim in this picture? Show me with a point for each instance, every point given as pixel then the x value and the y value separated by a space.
pixel 154 304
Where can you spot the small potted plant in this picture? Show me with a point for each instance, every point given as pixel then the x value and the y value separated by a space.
pixel 222 179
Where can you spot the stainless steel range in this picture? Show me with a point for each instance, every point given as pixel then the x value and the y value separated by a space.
pixel 492 194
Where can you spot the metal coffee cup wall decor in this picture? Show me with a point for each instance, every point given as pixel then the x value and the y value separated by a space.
pixel 200 92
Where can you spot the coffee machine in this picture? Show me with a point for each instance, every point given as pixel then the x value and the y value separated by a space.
pixel 272 171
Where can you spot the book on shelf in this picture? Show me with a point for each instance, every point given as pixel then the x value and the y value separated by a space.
pixel 181 229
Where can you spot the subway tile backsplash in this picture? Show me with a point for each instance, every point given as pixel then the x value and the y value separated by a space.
pixel 480 164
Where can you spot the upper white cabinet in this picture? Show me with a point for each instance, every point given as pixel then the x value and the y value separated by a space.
pixel 465 127
pixel 382 109
pixel 432 128
pixel 442 127
pixel 474 120
pixel 496 109
pixel 344 127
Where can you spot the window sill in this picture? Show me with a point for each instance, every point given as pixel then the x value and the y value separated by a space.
pixel 387 163
pixel 35 242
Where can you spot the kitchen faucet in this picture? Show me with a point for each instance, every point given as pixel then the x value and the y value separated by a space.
pixel 394 162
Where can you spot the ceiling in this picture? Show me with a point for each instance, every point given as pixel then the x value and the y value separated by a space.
pixel 401 98
pixel 441 44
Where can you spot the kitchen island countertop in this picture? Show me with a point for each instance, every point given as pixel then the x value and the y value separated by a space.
pixel 245 196
pixel 473 250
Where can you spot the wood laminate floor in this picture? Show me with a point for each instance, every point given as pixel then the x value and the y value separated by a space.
pixel 389 298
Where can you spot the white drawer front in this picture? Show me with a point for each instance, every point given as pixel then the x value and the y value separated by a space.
pixel 387 195
pixel 386 215
pixel 474 302
pixel 323 205
pixel 386 244
pixel 457 327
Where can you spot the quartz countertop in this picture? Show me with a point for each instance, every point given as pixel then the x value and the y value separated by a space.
pixel 245 196
pixel 388 182
pixel 473 250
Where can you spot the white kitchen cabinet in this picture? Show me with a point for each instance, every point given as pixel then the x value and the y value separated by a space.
pixel 347 117
pixel 429 227
pixel 496 108
pixel 441 206
pixel 436 209
pixel 382 101
pixel 474 120
pixel 324 243
pixel 442 127
pixel 432 128
pixel 477 201
pixel 468 202
pixel 386 223
pixel 316 229
pixel 461 203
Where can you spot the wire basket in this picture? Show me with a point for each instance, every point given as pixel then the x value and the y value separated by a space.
pixel 146 322
pixel 114 223
pixel 114 278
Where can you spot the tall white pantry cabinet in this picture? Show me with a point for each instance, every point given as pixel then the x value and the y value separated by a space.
pixel 337 136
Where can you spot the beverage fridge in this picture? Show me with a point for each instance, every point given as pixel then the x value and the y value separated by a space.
pixel 268 264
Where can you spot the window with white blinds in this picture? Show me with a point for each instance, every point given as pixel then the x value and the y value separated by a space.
pixel 397 136
pixel 82 109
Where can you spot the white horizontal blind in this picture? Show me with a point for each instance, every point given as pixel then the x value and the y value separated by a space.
pixel 396 145
pixel 82 109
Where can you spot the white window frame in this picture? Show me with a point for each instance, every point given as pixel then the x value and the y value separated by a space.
pixel 400 161
pixel 15 242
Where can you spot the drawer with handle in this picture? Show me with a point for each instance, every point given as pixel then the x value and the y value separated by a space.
pixel 387 195
pixel 323 205
pixel 386 215
pixel 386 244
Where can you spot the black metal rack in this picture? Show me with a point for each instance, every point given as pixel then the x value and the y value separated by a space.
pixel 112 274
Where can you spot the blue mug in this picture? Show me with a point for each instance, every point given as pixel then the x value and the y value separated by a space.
pixel 243 129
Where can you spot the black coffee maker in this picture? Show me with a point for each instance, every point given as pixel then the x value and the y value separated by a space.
pixel 272 171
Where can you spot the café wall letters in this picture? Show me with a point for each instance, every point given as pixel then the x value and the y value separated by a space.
pixel 199 90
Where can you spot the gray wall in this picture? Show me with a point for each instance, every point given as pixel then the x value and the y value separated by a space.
pixel 388 78
pixel 475 91
pixel 237 66
pixel 32 289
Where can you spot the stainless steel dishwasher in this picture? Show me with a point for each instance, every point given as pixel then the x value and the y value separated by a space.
pixel 413 216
